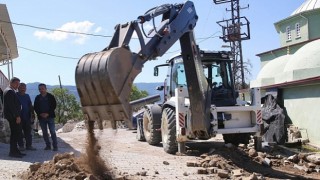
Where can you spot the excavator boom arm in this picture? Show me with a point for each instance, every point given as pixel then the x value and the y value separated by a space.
pixel 104 79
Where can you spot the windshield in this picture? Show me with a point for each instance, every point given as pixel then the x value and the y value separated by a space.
pixel 178 73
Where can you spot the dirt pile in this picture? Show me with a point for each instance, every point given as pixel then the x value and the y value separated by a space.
pixel 66 166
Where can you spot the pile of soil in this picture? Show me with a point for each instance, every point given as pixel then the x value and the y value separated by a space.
pixel 66 166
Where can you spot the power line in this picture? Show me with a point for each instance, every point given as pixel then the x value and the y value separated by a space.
pixel 72 32
pixel 65 57
pixel 59 30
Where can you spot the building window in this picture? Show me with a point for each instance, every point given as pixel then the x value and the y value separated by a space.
pixel 288 30
pixel 298 32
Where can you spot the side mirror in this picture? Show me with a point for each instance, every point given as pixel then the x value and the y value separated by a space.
pixel 155 71
pixel 159 88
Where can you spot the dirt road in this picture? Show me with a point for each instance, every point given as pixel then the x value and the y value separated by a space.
pixel 132 159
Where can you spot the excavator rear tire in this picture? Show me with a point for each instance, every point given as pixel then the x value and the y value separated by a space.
pixel 168 131
pixel 236 139
pixel 151 127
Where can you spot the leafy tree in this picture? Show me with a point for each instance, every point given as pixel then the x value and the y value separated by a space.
pixel 67 106
pixel 137 94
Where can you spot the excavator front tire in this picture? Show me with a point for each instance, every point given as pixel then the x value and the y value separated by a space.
pixel 168 131
pixel 151 125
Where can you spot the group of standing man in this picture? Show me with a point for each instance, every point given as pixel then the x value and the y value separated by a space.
pixel 19 111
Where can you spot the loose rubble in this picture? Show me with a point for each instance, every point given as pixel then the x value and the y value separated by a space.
pixel 223 162
pixel 305 163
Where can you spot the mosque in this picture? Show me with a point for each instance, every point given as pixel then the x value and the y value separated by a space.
pixel 292 72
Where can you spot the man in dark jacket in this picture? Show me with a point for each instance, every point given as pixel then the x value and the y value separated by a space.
pixel 27 116
pixel 45 105
pixel 12 109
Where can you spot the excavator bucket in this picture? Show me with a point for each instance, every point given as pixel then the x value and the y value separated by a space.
pixel 104 81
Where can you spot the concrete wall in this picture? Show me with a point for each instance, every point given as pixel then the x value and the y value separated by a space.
pixel 302 106
pixel 314 23
pixel 291 22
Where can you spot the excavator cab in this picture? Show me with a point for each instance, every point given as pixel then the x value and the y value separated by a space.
pixel 217 69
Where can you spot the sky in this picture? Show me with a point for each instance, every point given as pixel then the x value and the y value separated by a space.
pixel 99 17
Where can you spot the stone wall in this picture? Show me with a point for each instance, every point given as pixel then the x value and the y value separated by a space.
pixel 4 130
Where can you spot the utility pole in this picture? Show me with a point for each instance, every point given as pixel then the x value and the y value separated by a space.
pixel 63 104
pixel 234 33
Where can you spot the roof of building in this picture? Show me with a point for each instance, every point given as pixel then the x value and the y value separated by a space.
pixel 308 5
pixel 306 57
pixel 274 67
pixel 303 64
pixel 8 42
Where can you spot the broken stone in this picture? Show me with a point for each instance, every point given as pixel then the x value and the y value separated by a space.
pixel 203 156
pixel 223 173
pixel 58 157
pixel 253 176
pixel 191 164
pixel 205 165
pixel 202 161
pixel 286 162
pixel 221 165
pixel 252 153
pixel 185 174
pixel 35 166
pixel 213 163
pixel 314 158
pixel 61 166
pixel 73 167
pixel 266 162
pixel 261 154
pixel 294 158
pixel 258 159
pixel 208 158
pixel 143 173
pixel 156 172
pixel 237 172
pixel 301 168
pixel 202 171
pixel 212 170
pixel 302 156
pixel 243 146
pixel 311 165
pixel 165 162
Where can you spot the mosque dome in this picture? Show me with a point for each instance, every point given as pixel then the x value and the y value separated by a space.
pixel 308 5
pixel 307 57
pixel 274 67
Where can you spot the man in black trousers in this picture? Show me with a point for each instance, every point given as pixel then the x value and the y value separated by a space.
pixel 12 109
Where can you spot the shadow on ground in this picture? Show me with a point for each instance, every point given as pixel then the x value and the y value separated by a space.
pixel 39 155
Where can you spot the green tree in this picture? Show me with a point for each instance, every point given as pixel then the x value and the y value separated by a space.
pixel 137 94
pixel 67 106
